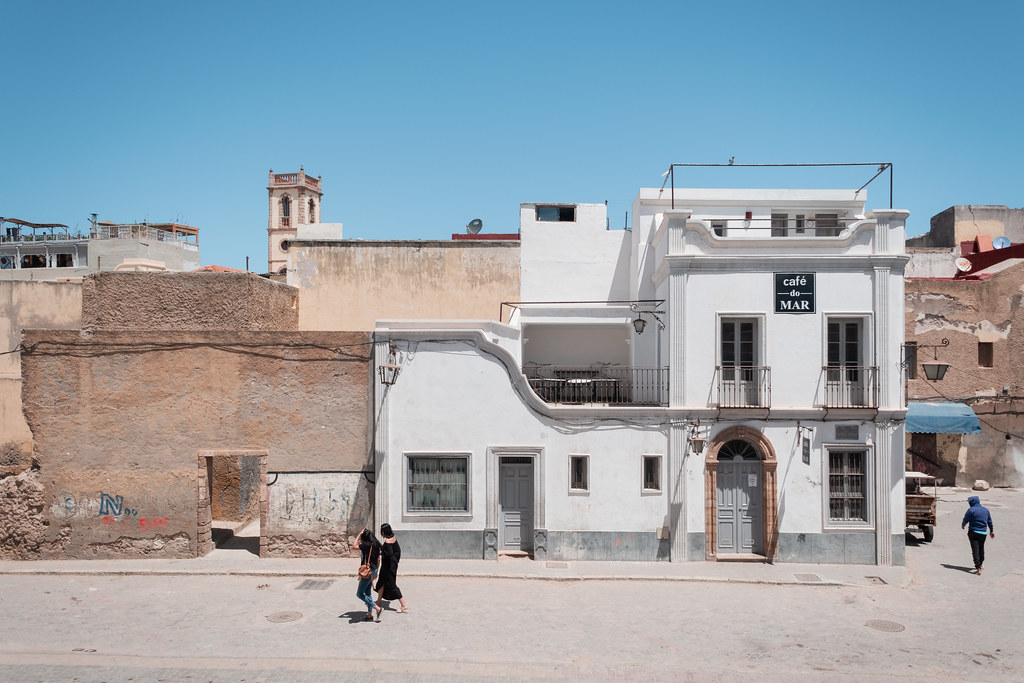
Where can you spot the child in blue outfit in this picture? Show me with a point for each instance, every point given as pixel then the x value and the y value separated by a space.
pixel 980 521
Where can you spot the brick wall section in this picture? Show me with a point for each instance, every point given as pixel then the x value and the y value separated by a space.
pixel 119 418
pixel 187 301
pixel 968 312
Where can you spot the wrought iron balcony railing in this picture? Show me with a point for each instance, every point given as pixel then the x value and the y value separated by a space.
pixel 850 386
pixel 744 387
pixel 599 385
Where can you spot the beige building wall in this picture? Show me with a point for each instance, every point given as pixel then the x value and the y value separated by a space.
pixel 982 319
pixel 120 418
pixel 51 305
pixel 187 301
pixel 349 285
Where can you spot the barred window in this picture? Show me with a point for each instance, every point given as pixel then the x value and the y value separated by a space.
pixel 847 472
pixel 438 484
pixel 652 473
pixel 579 474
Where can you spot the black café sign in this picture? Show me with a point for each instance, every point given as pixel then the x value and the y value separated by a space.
pixel 794 292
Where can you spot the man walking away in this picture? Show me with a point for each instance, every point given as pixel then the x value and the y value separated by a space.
pixel 978 521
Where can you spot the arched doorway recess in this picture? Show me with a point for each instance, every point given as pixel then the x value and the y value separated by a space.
pixel 748 467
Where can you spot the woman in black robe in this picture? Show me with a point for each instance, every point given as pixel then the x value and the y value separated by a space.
pixel 390 555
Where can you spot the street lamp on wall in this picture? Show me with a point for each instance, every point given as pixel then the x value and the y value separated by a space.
pixel 696 440
pixel 388 373
pixel 934 370
pixel 639 324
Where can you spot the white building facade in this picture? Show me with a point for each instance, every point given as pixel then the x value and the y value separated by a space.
pixel 723 381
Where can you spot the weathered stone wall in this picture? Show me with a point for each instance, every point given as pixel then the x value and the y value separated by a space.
pixel 187 301
pixel 235 488
pixel 120 417
pixel 969 313
pixel 22 522
pixel 50 305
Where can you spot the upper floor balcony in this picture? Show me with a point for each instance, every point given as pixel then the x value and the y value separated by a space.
pixel 599 385
pixel 850 386
pixel 744 387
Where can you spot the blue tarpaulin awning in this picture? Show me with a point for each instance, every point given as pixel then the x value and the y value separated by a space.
pixel 941 418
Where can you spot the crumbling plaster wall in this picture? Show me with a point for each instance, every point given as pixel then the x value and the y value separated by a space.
pixel 187 301
pixel 52 305
pixel 969 312
pixel 120 416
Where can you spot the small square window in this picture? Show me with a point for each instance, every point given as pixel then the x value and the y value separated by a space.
pixel 652 473
pixel 719 227
pixel 910 359
pixel 558 214
pixel 985 354
pixel 579 475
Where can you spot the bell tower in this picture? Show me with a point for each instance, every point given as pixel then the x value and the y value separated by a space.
pixel 294 200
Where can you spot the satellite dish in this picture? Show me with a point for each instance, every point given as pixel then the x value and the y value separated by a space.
pixel 963 265
pixel 474 226
pixel 1001 242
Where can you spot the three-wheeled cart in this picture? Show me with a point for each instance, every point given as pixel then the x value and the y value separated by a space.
pixel 922 491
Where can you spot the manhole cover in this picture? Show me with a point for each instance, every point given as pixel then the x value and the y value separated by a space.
pixel 557 565
pixel 314 585
pixel 807 577
pixel 883 625
pixel 281 617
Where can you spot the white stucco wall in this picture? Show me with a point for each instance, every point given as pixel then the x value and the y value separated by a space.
pixel 573 261
pixel 452 398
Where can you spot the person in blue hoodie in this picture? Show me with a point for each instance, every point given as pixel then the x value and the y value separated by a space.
pixel 978 522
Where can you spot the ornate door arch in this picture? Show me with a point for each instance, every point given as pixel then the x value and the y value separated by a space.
pixel 761 448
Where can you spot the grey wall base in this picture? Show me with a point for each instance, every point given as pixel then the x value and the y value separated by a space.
pixel 696 547
pixel 435 544
pixel 830 548
pixel 607 545
pixel 837 548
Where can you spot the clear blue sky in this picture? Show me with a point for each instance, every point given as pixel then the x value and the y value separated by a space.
pixel 422 116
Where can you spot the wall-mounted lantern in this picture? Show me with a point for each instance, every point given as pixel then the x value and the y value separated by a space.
pixel 639 324
pixel 388 373
pixel 934 370
pixel 696 440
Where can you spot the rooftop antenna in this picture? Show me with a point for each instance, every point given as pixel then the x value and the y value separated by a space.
pixel 474 226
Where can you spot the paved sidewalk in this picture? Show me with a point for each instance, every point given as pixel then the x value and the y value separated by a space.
pixel 243 563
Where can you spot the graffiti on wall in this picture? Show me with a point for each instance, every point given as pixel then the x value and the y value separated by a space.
pixel 300 501
pixel 110 508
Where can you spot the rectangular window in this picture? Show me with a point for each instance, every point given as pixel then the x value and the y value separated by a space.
pixel 779 224
pixel 799 229
pixel 847 476
pixel 826 224
pixel 652 473
pixel 985 354
pixel 579 476
pixel 438 484
pixel 558 214
pixel 910 359
pixel 718 227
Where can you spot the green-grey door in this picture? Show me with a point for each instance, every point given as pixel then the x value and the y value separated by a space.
pixel 515 504
pixel 738 499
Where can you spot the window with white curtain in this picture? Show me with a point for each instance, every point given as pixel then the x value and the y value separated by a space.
pixel 437 483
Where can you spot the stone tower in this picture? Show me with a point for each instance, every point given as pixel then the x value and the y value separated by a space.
pixel 294 200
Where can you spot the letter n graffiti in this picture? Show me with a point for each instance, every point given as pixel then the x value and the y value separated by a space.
pixel 110 505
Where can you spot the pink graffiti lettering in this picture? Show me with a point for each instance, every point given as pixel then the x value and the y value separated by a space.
pixel 145 524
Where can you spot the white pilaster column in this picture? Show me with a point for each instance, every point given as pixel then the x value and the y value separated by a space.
pixel 379 431
pixel 883 480
pixel 677 445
